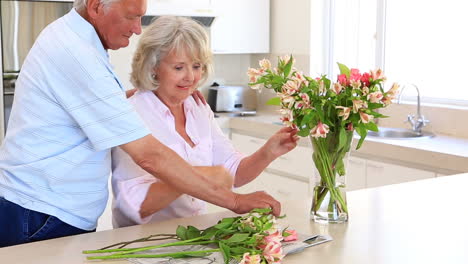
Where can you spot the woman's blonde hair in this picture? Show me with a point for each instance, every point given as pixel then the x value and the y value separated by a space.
pixel 164 35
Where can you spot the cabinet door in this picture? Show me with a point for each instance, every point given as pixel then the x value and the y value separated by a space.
pixel 280 187
pixel 379 173
pixel 297 162
pixel 241 26
pixel 356 174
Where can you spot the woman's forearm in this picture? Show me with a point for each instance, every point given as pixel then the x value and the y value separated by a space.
pixel 251 166
pixel 159 196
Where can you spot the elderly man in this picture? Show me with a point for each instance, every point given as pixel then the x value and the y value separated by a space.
pixel 69 111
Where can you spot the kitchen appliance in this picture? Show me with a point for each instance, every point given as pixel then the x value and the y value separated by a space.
pixel 233 99
pixel 20 24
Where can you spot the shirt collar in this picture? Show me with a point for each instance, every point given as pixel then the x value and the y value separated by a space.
pixel 85 30
pixel 162 108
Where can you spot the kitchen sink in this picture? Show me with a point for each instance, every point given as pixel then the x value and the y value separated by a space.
pixel 398 133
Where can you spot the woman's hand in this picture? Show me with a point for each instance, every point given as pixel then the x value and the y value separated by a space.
pixel 282 142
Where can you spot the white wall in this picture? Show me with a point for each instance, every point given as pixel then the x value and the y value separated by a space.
pixel 290 34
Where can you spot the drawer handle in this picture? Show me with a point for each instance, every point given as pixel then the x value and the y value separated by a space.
pixel 284 192
pixel 282 158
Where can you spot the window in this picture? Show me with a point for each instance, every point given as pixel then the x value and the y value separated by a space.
pixel 417 41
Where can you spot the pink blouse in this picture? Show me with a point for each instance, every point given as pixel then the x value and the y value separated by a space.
pixel 130 183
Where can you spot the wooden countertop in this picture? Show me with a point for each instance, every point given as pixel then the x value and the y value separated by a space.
pixel 416 222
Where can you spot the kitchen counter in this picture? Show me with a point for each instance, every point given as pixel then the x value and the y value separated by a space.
pixel 415 222
pixel 444 154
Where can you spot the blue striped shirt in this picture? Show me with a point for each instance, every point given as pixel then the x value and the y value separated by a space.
pixel 69 110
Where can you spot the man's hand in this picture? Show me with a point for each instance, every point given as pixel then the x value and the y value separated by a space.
pixel 130 93
pixel 198 97
pixel 244 203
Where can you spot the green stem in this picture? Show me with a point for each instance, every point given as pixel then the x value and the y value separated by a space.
pixel 176 254
pixel 125 250
pixel 324 165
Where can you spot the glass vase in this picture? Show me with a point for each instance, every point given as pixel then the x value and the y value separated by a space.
pixel 330 156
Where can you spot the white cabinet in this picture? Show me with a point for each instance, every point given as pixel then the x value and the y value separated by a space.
pixel 379 174
pixel 356 174
pixel 280 187
pixel 241 27
pixel 297 162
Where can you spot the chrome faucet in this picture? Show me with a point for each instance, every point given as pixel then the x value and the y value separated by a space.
pixel 417 122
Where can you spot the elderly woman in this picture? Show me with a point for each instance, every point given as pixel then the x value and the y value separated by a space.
pixel 173 58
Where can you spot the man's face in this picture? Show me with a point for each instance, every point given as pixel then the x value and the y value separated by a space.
pixel 116 23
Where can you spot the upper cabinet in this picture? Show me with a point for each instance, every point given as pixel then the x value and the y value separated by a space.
pixel 241 26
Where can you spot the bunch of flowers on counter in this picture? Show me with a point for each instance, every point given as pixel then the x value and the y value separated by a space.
pixel 250 239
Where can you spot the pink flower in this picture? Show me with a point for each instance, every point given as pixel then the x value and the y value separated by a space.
pixel 355 75
pixel 378 75
pixel 299 78
pixel 344 112
pixel 342 79
pixel 349 127
pixel 292 235
pixel 337 88
pixel 287 117
pixel 393 91
pixel 365 79
pixel 254 74
pixel 375 97
pixel 365 90
pixel 290 87
pixel 305 98
pixel 274 237
pixel 265 64
pixel 320 130
pixel 273 252
pixel 322 87
pixel 247 259
pixel 358 104
pixel 355 84
pixel 365 118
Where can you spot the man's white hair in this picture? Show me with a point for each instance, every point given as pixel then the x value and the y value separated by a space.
pixel 80 5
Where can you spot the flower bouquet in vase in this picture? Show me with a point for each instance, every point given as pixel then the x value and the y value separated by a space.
pixel 328 113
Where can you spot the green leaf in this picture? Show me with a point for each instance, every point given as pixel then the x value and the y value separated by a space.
pixel 362 131
pixel 225 223
pixel 343 69
pixel 372 126
pixel 261 210
pixel 192 232
pixel 209 232
pixel 287 68
pixel 307 118
pixel 303 132
pixel 181 232
pixel 239 250
pixel 238 237
pixel 274 101
pixel 342 138
pixel 226 252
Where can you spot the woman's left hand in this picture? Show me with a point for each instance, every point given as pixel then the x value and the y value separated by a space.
pixel 198 97
pixel 282 142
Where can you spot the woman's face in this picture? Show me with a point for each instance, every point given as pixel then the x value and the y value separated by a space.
pixel 178 76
